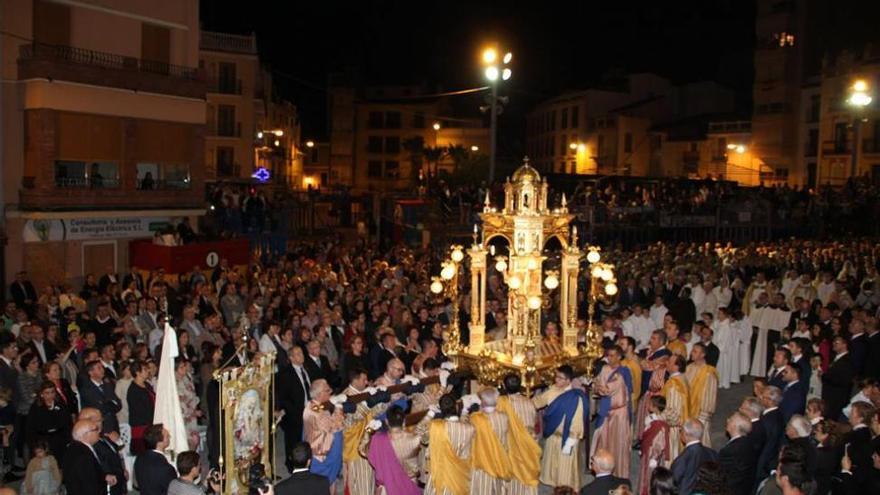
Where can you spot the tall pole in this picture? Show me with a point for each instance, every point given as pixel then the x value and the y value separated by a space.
pixel 493 131
pixel 854 164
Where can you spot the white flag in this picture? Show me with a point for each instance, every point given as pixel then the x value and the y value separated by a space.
pixel 167 409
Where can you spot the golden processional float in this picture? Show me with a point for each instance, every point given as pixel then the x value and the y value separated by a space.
pixel 527 224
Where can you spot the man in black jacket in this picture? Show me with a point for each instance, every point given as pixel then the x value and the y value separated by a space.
pixel 318 365
pixel 95 392
pixel 872 363
pixel 301 480
pixel 858 346
pixel 82 472
pixel 152 471
pixel 737 457
pixel 602 464
pixel 685 467
pixel 771 421
pixel 23 293
pixel 837 382
pixel 107 451
pixel 291 395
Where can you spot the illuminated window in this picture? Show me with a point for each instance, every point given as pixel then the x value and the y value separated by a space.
pixel 784 39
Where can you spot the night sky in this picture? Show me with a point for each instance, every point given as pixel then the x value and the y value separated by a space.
pixel 556 45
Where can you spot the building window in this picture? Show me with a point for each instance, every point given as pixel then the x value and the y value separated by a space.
pixel 175 176
pixel 392 169
pixel 815 107
pixel 375 120
pixel 574 167
pixel 314 155
pixel 374 169
pixel 564 116
pixel 72 173
pixel 225 161
pixel 226 125
pixel 782 174
pixel 812 142
pixel 563 145
pixel 553 120
pixel 226 79
pixel 392 120
pixel 374 144
pixel 600 146
pixel 392 145
pixel 551 145
pixel 419 120
pixel 628 142
pixel 575 121
pixel 783 39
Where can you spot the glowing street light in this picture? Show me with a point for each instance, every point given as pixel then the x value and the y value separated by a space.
pixel 436 126
pixel 475 148
pixel 310 144
pixel 495 72
pixel 859 98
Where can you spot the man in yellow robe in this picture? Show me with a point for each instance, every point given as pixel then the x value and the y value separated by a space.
pixel 673 343
pixel 613 431
pixel 675 390
pixel 525 452
pixel 631 361
pixel 356 470
pixel 564 420
pixel 702 382
pixel 489 454
pixel 449 452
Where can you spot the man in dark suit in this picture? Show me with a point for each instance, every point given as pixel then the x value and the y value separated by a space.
pixel 798 347
pixel 629 295
pixel 858 346
pixel 9 381
pixel 381 354
pixel 301 480
pixel 737 457
pixel 291 395
pixel 602 464
pixel 837 382
pixel 109 277
pixel 108 455
pixel 858 442
pixel 802 314
pixel 774 428
pixel 23 292
pixel 781 358
pixel 82 471
pixel 40 347
pixel 318 365
pixel 712 351
pixel 152 471
pixel 687 464
pixel 752 408
pixel 95 392
pixel 872 363
pixel 134 275
pixel 794 395
pixel 683 310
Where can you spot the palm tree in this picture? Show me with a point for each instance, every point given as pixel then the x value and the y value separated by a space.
pixel 434 155
pixel 415 146
pixel 459 156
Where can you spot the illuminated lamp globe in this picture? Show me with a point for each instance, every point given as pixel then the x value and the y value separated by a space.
pixel 501 265
pixel 514 282
pixel 532 264
pixel 606 275
pixel 457 255
pixel 534 302
pixel 593 256
pixel 436 287
pixel 860 85
pixel 447 272
pixel 551 282
pixel 597 272
pixel 492 73
pixel 611 289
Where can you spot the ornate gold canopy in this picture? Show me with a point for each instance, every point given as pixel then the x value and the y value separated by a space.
pixel 526 223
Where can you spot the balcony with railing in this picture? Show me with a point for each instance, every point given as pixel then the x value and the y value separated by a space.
pixel 40 193
pixel 225 86
pixel 221 129
pixel 68 63
pixel 836 147
pixel 224 42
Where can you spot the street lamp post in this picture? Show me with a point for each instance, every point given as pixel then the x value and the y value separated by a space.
pixel 859 98
pixel 494 72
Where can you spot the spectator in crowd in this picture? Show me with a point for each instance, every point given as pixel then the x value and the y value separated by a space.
pixel 301 480
pixel 152 471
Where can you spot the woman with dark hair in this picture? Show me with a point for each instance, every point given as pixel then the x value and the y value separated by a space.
pixel 64 393
pixel 141 402
pixel 355 358
pixel 710 480
pixel 826 434
pixel 662 482
pixel 212 357
pixel 49 420
pixel 29 380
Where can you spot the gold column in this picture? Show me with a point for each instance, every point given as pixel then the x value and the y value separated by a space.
pixel 568 299
pixel 478 299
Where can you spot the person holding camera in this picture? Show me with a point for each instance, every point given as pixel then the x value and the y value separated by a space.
pixel 189 469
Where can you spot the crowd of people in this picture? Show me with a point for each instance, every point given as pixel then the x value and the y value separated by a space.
pixel 365 397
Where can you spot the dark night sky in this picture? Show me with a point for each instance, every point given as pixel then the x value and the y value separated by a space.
pixel 557 45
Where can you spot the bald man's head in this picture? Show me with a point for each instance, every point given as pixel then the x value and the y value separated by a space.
pixel 395 368
pixel 7 491
pixel 90 414
pixel 603 461
pixel 86 431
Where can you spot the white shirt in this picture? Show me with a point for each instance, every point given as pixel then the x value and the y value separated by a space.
pixel 840 356
pixel 769 409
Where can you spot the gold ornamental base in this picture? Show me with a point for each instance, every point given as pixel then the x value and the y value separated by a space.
pixel 494 362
